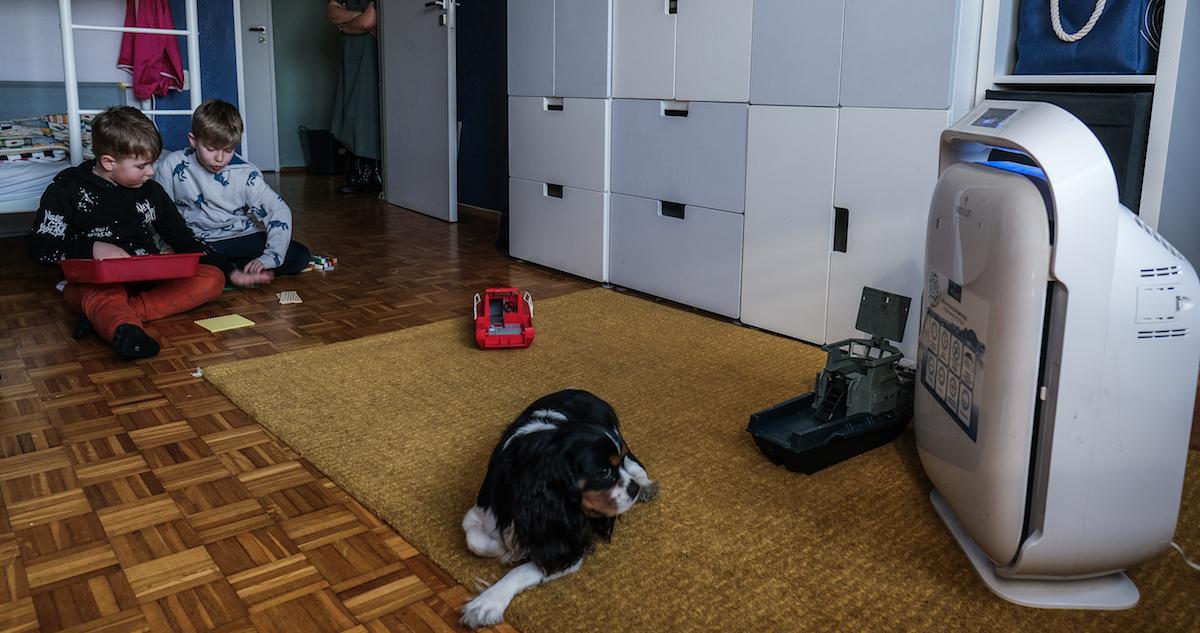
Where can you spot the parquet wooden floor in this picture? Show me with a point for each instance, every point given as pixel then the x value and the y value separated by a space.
pixel 135 497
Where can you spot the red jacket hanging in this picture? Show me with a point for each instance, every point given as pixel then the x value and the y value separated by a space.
pixel 151 58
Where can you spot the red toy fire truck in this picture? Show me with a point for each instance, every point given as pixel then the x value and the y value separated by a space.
pixel 503 318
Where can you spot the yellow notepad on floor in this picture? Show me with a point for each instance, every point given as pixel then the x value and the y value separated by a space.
pixel 227 322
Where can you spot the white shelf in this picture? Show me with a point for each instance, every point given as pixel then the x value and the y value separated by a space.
pixel 1074 80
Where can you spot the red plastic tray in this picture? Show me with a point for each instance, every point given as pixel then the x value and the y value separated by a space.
pixel 124 269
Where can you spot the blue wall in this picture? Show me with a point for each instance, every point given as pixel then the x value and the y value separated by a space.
pixel 482 49
pixel 218 66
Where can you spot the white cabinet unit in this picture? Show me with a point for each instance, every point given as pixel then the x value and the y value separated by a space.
pixel 691 50
pixel 797 52
pixel 817 231
pixel 789 219
pixel 694 153
pixel 560 141
pixel 887 162
pixel 559 48
pixel 683 253
pixel 778 212
pixel 560 227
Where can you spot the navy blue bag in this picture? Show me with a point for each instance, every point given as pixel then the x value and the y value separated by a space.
pixel 1118 41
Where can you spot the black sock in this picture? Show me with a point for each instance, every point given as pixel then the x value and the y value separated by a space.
pixel 83 328
pixel 131 342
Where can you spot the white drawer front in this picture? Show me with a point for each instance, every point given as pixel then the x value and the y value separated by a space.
pixel 695 260
pixel 697 159
pixel 567 146
pixel 568 233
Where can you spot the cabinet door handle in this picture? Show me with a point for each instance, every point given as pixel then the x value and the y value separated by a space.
pixel 553 190
pixel 841 228
pixel 554 104
pixel 672 7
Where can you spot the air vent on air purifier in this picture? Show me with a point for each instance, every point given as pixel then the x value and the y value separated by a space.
pixel 1158 238
pixel 1176 333
pixel 1163 271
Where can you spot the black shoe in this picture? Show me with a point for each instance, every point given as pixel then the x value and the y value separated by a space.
pixel 132 342
pixel 83 328
pixel 366 187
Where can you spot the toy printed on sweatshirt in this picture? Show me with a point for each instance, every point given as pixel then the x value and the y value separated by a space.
pixel 503 318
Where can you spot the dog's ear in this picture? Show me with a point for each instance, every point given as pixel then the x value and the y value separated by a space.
pixel 547 517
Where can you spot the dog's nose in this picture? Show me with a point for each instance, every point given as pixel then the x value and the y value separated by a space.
pixel 633 489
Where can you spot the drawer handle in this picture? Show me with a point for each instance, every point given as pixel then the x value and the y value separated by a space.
pixel 672 7
pixel 841 228
pixel 553 191
pixel 554 104
pixel 674 108
pixel 671 209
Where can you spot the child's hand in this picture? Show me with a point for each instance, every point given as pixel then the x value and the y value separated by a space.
pixel 254 267
pixel 244 279
pixel 104 250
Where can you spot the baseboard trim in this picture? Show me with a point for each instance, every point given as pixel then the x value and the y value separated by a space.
pixel 480 212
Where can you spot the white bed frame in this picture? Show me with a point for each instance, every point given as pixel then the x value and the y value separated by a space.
pixel 68 28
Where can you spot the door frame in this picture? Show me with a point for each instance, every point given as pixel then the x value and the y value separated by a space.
pixel 241 79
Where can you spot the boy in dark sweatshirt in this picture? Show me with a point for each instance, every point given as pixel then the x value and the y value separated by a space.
pixel 111 207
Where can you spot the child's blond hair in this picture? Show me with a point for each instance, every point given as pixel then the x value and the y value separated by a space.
pixel 124 132
pixel 217 123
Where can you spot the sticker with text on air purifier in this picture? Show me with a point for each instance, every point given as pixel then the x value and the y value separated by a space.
pixel 951 349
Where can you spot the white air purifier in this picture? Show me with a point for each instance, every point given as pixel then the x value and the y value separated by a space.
pixel 1057 362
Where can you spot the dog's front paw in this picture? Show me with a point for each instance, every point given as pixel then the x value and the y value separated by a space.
pixel 648 492
pixel 482 612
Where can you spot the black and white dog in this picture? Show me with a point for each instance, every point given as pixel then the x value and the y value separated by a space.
pixel 556 482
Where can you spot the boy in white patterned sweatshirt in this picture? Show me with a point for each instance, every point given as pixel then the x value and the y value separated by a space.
pixel 229 206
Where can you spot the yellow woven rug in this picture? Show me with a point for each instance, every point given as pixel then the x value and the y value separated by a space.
pixel 405 422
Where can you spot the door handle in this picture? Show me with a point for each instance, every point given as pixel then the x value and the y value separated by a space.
pixel 841 229
pixel 257 29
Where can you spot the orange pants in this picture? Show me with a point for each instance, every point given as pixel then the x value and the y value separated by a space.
pixel 110 305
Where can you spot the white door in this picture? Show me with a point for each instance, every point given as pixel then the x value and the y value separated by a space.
pixel 789 219
pixel 887 166
pixel 420 136
pixel 643 49
pixel 712 50
pixel 261 143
